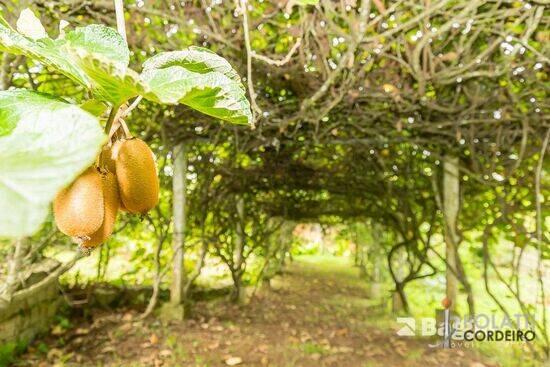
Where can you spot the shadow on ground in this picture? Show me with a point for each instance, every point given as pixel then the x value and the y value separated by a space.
pixel 316 314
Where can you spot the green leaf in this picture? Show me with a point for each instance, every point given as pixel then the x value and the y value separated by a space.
pixel 47 51
pixel 44 144
pixel 94 56
pixel 110 81
pixel 103 55
pixel 200 79
pixel 100 41
pixel 94 106
pixel 2 19
pixel 211 93
pixel 198 59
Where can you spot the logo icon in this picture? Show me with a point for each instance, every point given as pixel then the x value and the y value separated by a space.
pixel 409 327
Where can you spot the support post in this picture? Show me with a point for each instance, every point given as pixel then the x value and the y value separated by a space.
pixel 175 309
pixel 451 205
pixel 177 295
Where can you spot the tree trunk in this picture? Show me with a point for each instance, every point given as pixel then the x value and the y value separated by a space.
pixel 467 286
pixel 237 295
pixel 399 300
pixel 374 255
pixel 357 249
pixel 177 293
pixel 237 273
pixel 360 258
pixel 198 268
pixel 451 204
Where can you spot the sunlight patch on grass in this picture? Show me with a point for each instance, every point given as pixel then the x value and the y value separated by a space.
pixel 511 355
pixel 414 354
pixel 312 348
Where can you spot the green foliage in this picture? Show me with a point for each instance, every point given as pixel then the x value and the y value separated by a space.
pixel 196 59
pixel 368 150
pixel 97 57
pixel 45 147
pixel 45 144
pixel 200 79
pixel 49 52
pixel 100 41
pixel 211 93
pixel 9 351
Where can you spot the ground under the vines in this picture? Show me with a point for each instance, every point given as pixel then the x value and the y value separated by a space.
pixel 314 316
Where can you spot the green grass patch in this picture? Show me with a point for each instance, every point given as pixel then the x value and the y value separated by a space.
pixel 312 348
pixel 9 352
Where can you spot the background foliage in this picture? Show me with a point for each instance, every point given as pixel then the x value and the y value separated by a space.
pixel 355 106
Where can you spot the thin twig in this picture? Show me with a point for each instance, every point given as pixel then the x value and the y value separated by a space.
pixel 249 53
pixel 281 62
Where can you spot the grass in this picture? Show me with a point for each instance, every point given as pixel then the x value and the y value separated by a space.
pixel 312 348
pixel 414 354
pixel 423 304
pixel 424 296
pixel 512 355
pixel 9 351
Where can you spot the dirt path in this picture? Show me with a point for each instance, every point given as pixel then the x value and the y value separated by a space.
pixel 316 315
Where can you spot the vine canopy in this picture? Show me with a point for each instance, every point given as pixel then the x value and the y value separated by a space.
pixel 46 142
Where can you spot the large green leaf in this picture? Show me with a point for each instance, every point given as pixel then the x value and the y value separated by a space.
pixel 97 57
pixel 110 81
pixel 211 93
pixel 101 41
pixel 103 55
pixel 44 144
pixel 94 56
pixel 198 59
pixel 47 51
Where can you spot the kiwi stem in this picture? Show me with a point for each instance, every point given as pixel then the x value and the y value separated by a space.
pixel 111 118
pixel 134 104
pixel 125 129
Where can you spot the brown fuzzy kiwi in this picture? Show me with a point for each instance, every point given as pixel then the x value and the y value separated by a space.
pixel 78 208
pixel 108 163
pixel 122 207
pixel 106 160
pixel 111 200
pixel 137 176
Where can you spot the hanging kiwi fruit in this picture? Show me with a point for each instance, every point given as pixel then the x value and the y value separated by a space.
pixel 78 209
pixel 135 169
pixel 124 177
pixel 137 176
pixel 111 200
pixel 106 160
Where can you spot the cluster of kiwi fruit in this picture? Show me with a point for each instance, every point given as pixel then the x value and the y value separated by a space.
pixel 124 177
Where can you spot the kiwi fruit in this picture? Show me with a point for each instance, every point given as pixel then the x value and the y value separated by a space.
pixel 78 208
pixel 111 200
pixel 107 163
pixel 106 160
pixel 136 175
